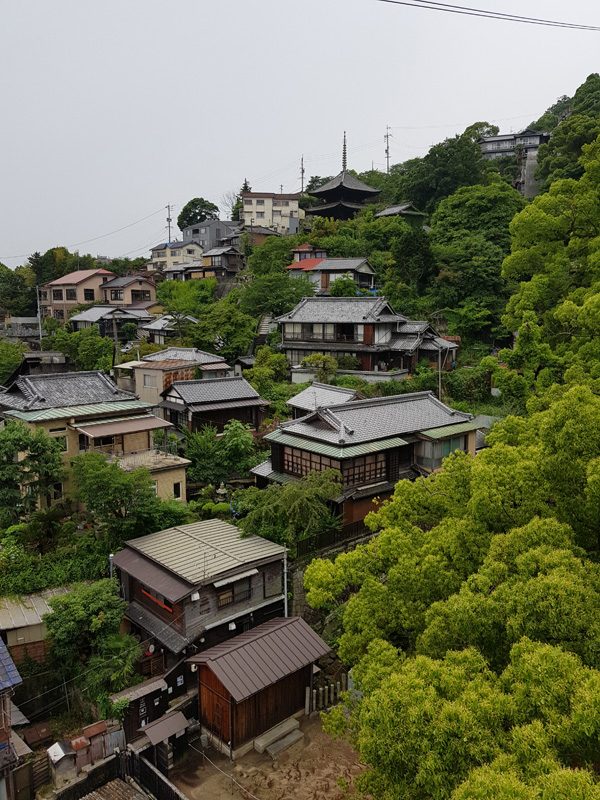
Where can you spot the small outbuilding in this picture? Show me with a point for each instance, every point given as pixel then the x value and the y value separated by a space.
pixel 256 680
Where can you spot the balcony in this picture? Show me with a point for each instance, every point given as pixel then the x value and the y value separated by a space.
pixel 148 459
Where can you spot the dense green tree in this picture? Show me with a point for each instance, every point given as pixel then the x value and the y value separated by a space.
pixel 56 262
pixel 30 462
pixel 292 511
pixel 344 286
pixel 324 366
pixel 85 349
pixel 217 458
pixel 11 355
pixel 273 255
pixel 224 329
pixel 186 297
pixel 196 210
pixel 559 158
pixel 274 293
pixel 16 297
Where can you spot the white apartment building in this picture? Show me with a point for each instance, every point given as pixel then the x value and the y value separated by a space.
pixel 168 254
pixel 281 212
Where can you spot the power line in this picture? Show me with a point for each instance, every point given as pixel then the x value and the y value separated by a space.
pixel 470 11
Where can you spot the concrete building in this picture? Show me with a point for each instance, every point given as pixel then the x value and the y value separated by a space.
pixel 59 297
pixel 129 290
pixel 281 212
pixel 210 233
pixel 524 147
pixel 168 254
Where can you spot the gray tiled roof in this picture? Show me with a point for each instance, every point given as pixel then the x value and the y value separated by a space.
pixel 403 208
pixel 341 264
pixel 340 309
pixel 34 392
pixel 124 280
pixel 184 354
pixel 165 323
pixel 202 551
pixel 9 677
pixel 321 394
pixel 214 390
pixel 369 420
pixel 96 313
pixel 413 326
pixel 219 251
pixel 346 180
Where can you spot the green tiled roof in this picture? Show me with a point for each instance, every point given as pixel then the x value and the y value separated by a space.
pixel 452 430
pixel 331 450
pixel 88 410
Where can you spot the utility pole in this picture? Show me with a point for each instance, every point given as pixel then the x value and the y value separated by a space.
pixel 301 174
pixel 39 313
pixel 281 188
pixel 169 220
pixel 387 147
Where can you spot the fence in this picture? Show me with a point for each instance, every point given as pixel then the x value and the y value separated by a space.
pixel 320 541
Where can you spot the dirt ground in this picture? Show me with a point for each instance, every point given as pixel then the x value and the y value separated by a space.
pixel 316 768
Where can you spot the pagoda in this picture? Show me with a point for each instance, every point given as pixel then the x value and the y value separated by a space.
pixel 343 195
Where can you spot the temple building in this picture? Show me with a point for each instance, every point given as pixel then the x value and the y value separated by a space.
pixel 343 195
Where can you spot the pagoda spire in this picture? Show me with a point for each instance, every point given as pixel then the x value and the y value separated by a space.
pixel 344 160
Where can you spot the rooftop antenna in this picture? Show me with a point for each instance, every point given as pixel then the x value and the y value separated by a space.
pixel 387 147
pixel 344 154
pixel 169 220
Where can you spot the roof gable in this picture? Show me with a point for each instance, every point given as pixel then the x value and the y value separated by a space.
pixel 344 180
pixel 56 390
pixel 78 276
pixel 258 658
pixel 213 390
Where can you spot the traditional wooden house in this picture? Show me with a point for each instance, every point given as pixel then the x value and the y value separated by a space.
pixel 190 405
pixel 148 701
pixel 320 395
pixel 250 684
pixel 322 272
pixel 195 585
pixel 367 328
pixel 22 626
pixel 373 443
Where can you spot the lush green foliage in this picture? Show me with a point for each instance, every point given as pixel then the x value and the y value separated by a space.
pixel 196 210
pixel 344 286
pixel 224 329
pixel 274 293
pixel 11 355
pixel 218 458
pixel 186 297
pixel 16 295
pixel 85 349
pixel 324 366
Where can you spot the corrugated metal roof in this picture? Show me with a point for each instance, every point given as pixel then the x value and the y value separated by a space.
pixel 213 390
pixel 27 610
pixel 321 394
pixel 9 677
pixel 150 574
pixel 201 551
pixel 140 690
pixel 331 450
pixel 258 658
pixel 452 430
pixel 91 409
pixel 116 427
pixel 160 630
pixel 164 727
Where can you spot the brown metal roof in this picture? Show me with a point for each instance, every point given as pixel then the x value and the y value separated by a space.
pixel 262 656
pixel 158 578
pixel 164 727
pixel 140 690
pixel 148 423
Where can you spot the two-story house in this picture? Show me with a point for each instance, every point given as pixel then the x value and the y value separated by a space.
pixel 373 443
pixel 166 327
pixel 195 585
pixel 167 254
pixel 190 405
pixel 281 212
pixel 129 290
pixel 111 320
pixel 152 375
pixel 367 328
pixel 323 271
pixel 320 395
pixel 59 297
pixel 209 233
pixel 9 759
pixel 86 412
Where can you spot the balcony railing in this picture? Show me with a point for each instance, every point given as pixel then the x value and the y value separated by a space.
pixel 313 337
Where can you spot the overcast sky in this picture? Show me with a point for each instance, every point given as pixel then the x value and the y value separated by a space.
pixel 112 109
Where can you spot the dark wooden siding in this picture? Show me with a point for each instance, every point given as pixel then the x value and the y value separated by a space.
pixel 271 706
pixel 214 704
pixel 174 617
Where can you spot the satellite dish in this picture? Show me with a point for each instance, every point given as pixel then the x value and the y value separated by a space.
pixel 151 649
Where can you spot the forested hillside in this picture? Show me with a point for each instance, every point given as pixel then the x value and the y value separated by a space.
pixel 471 620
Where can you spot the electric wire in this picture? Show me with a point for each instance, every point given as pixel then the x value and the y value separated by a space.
pixel 430 5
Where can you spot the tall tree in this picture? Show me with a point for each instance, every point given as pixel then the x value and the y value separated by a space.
pixel 196 210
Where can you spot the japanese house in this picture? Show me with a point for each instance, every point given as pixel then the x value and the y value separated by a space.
pixel 320 395
pixel 111 320
pixel 9 741
pixel 373 443
pixel 193 404
pixel 160 330
pixel 148 701
pixel 196 585
pixel 407 211
pixel 86 412
pixel 323 271
pixel 22 626
pixel 128 290
pixel 150 376
pixel 367 328
pixel 249 684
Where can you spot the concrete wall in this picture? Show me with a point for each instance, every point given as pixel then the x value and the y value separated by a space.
pixel 307 376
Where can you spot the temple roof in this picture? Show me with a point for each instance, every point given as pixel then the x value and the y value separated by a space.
pixel 348 183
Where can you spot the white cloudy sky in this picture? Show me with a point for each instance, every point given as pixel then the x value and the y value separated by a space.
pixel 113 108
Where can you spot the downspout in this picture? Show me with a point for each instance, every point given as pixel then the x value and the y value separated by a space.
pixel 285 584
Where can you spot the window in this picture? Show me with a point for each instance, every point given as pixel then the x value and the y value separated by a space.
pixel 140 295
pixel 190 251
pixel 236 593
pixel 157 598
pixel 195 230
pixel 71 294
pixel 430 454
pixel 88 295
pixel 276 213
pixel 179 680
pixel 285 203
pixel 260 202
pixel 225 598
pixel 54 493
pixel 57 294
pixel 301 462
pixel 260 214
pixel 247 201
pixel 177 490
pixel 364 470
pixel 44 295
pixel 59 313
pixel 150 381
pixel 116 294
